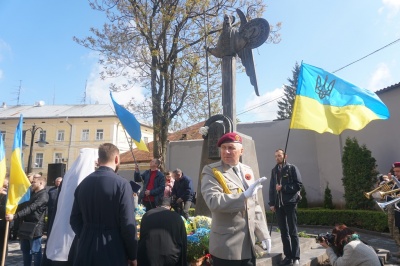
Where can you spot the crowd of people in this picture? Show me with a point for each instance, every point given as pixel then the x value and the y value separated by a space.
pixel 98 227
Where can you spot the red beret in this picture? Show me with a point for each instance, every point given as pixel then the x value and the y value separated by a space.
pixel 396 164
pixel 229 137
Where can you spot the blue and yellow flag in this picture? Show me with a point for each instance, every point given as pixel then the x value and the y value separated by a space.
pixel 131 125
pixel 326 103
pixel 18 189
pixel 3 169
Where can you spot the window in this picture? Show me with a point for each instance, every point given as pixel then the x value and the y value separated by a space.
pixel 99 134
pixel 3 135
pixel 146 140
pixel 85 134
pixel 60 135
pixel 42 135
pixel 58 157
pixel 39 160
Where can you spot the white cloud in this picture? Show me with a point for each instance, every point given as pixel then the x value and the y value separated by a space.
pixel 380 78
pixel 265 107
pixel 391 6
pixel 98 89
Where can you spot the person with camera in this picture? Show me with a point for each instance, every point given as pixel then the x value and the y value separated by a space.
pixel 344 247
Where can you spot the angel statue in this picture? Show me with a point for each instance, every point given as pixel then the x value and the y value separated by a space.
pixel 232 41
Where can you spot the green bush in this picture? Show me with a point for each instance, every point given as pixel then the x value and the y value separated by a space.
pixel 362 219
pixel 328 204
pixel 303 202
pixel 359 175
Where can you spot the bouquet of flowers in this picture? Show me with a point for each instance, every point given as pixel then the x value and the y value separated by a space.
pixel 198 230
pixel 140 210
pixel 197 244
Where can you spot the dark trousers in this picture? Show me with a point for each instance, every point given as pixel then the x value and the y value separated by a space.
pixel 222 262
pixel 287 222
pixel 149 205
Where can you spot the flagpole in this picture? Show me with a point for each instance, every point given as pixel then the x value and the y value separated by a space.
pixel 284 162
pixel 5 241
pixel 130 146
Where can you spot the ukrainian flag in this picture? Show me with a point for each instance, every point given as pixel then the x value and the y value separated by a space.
pixel 326 103
pixel 131 125
pixel 3 168
pixel 18 189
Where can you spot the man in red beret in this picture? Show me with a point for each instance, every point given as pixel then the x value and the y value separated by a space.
pixel 230 190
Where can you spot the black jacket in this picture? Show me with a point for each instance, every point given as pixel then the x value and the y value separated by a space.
pixel 183 189
pixel 103 219
pixel 159 185
pixel 34 210
pixel 290 179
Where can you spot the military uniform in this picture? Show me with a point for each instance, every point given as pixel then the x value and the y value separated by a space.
pixel 236 221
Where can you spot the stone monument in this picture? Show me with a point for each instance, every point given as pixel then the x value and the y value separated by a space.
pixel 231 43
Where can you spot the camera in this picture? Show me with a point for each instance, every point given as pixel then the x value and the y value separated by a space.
pixel 328 237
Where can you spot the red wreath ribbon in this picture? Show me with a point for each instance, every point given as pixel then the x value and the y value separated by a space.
pixel 247 176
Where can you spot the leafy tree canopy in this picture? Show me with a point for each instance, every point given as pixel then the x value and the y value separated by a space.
pixel 159 45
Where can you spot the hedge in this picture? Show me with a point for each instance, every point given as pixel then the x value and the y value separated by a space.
pixel 363 219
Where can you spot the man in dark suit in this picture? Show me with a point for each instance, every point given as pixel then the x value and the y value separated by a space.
pixel 102 216
pixel 153 187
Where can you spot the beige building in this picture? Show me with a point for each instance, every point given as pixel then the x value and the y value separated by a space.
pixel 66 129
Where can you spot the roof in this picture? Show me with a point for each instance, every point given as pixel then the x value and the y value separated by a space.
pixel 56 111
pixel 192 133
pixel 395 86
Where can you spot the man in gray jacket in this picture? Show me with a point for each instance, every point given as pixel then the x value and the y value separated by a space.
pixel 230 190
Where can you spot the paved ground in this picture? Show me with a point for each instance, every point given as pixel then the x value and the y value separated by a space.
pixel 377 240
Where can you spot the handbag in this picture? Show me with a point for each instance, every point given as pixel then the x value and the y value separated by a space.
pixel 27 230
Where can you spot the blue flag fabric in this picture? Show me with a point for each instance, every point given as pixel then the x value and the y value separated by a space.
pixel 131 125
pixel 326 103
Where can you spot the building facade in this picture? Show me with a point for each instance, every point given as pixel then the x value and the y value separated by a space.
pixel 66 129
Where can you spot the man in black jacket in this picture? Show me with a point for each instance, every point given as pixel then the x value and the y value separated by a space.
pixel 33 212
pixel 153 187
pixel 284 194
pixel 182 193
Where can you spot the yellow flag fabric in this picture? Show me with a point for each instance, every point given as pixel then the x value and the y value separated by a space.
pixel 327 103
pixel 18 190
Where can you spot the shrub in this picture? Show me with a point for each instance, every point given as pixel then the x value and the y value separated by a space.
pixel 363 219
pixel 303 202
pixel 328 204
pixel 358 175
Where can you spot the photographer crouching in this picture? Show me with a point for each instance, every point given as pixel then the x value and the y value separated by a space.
pixel 344 248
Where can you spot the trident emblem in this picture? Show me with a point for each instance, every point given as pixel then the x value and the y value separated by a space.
pixel 323 89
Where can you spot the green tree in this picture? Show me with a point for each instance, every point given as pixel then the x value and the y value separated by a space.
pixel 328 203
pixel 303 202
pixel 285 105
pixel 358 174
pixel 160 46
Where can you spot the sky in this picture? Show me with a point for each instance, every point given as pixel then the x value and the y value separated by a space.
pixel 39 61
